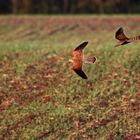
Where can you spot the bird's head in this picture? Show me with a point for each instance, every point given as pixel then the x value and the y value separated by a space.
pixel 70 60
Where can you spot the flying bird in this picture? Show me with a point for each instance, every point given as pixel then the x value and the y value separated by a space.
pixel 78 60
pixel 123 39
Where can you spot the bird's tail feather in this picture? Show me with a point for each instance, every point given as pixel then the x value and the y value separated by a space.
pixel 135 38
pixel 90 59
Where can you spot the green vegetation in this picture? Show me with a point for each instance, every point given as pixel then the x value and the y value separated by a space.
pixel 42 98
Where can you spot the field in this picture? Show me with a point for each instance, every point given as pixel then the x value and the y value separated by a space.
pixel 42 98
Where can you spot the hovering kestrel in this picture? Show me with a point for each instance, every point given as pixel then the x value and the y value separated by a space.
pixel 123 39
pixel 78 60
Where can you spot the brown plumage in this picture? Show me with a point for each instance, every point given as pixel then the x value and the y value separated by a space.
pixel 78 60
pixel 123 39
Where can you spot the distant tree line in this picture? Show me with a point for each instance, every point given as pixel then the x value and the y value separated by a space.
pixel 68 6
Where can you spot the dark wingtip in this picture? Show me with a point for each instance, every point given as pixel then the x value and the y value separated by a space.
pixel 85 78
pixel 81 46
pixel 81 73
pixel 120 28
pixel 86 42
pixel 119 31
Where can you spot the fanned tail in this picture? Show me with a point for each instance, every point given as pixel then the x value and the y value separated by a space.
pixel 91 59
pixel 135 38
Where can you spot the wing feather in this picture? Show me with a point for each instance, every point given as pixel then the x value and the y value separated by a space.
pixel 80 73
pixel 81 46
pixel 120 34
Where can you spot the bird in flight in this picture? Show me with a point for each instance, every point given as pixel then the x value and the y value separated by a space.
pixel 78 60
pixel 123 39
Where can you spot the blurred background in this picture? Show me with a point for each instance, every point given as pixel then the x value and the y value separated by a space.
pixel 41 97
pixel 69 6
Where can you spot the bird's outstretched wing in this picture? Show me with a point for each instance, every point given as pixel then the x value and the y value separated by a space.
pixel 80 73
pixel 81 46
pixel 120 35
